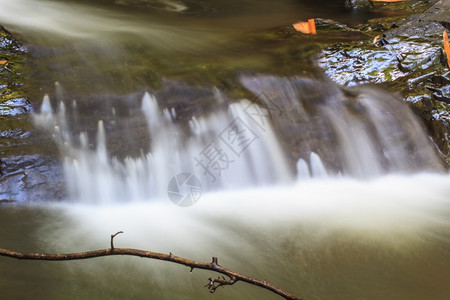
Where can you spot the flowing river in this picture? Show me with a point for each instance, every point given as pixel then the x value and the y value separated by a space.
pixel 182 124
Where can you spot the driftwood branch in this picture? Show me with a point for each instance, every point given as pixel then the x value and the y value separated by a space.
pixel 212 285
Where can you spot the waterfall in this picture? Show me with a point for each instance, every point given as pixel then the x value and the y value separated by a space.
pixel 361 132
pixel 240 144
pixel 227 149
pixel 165 132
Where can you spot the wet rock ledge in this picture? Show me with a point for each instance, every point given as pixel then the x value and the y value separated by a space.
pixel 29 170
pixel 407 57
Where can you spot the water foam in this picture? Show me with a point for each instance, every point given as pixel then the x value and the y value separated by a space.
pixel 396 211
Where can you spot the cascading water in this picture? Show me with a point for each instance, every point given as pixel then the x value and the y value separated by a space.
pixel 228 149
pixel 362 132
pixel 237 147
pixel 329 193
pixel 345 219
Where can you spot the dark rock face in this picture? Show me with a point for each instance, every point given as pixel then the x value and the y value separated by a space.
pixel 30 179
pixel 405 56
pixel 28 170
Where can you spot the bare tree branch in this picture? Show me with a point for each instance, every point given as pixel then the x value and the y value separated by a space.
pixel 213 284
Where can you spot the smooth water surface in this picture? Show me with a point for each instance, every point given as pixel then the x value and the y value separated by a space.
pixel 342 239
pixel 93 47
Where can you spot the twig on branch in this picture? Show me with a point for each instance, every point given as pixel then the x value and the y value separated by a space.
pixel 213 284
pixel 112 239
